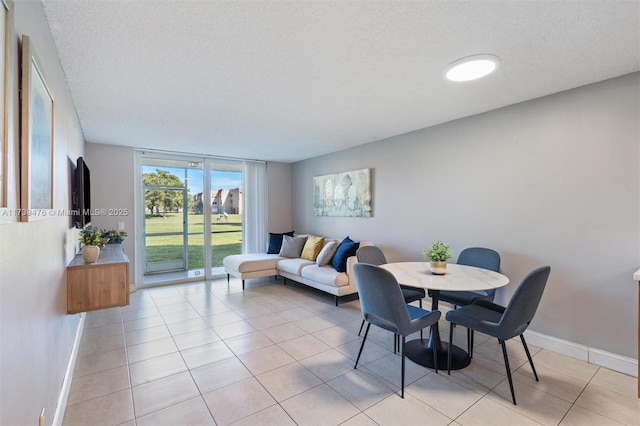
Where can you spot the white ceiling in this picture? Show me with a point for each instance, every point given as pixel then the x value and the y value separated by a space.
pixel 290 80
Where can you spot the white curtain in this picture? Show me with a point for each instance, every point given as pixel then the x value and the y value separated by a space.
pixel 254 230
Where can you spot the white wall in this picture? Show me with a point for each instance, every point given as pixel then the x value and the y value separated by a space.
pixel 36 334
pixel 550 181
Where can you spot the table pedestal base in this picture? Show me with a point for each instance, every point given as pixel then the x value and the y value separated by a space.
pixel 418 352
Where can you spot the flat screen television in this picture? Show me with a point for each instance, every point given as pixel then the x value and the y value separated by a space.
pixel 81 196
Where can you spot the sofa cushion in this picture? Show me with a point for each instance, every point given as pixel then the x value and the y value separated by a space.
pixel 292 246
pixel 251 262
pixel 275 241
pixel 312 247
pixel 346 249
pixel 293 266
pixel 326 275
pixel 327 252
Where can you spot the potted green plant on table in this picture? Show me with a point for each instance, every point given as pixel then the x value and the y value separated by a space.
pixel 114 236
pixel 437 255
pixel 90 238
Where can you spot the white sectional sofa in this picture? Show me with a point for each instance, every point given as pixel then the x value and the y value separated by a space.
pixel 305 270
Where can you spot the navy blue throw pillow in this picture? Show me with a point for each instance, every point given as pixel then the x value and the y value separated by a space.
pixel 346 249
pixel 275 242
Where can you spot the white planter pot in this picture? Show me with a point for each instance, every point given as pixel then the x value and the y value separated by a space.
pixel 90 253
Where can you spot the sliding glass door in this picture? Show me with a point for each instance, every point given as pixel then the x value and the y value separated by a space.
pixel 193 216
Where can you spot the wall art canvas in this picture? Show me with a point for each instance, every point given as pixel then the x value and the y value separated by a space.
pixel 346 194
pixel 36 181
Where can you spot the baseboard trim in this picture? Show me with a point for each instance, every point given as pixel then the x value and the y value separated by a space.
pixel 68 376
pixel 588 354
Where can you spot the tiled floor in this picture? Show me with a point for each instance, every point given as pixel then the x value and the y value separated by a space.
pixel 206 353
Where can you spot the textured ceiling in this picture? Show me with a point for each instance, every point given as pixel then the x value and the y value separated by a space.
pixel 290 80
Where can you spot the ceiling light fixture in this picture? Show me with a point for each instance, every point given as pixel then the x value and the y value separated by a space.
pixel 471 67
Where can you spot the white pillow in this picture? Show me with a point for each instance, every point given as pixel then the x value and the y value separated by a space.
pixel 327 252
pixel 292 246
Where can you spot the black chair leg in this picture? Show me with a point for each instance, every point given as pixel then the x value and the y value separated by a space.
pixel 526 349
pixel 449 351
pixel 402 379
pixel 470 342
pixel 506 364
pixel 361 325
pixel 362 345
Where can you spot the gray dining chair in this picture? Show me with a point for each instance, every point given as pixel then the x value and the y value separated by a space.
pixel 480 257
pixel 373 255
pixel 501 322
pixel 383 305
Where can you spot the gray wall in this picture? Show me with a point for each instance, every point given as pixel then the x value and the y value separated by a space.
pixel 550 181
pixel 36 334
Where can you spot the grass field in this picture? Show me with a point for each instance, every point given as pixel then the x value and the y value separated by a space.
pixel 226 238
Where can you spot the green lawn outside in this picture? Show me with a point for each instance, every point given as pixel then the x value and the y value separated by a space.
pixel 226 238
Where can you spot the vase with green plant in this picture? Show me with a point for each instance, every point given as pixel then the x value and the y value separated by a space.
pixel 437 255
pixel 90 238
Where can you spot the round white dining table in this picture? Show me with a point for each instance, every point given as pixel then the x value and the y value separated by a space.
pixel 457 278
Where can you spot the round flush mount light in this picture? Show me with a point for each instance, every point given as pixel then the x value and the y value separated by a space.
pixel 471 67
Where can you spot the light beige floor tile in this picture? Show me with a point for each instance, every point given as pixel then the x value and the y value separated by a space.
pixel 390 369
pixel 155 348
pixel 551 381
pixel 371 351
pixel 444 395
pixel 191 412
pixel 529 402
pixel 206 354
pixel 287 381
pixel 101 361
pixel 359 420
pixel 248 342
pixel 328 365
pixel 98 384
pixel 476 377
pixel 313 324
pixel 156 368
pixel 237 401
pixel 219 374
pixel 114 408
pixel 610 404
pixel 102 331
pixel 223 318
pixel 578 416
pixel 233 329
pixel 266 321
pixel 140 324
pixel 488 412
pixel 104 344
pixel 362 388
pixel 187 326
pixel 304 346
pixel 617 382
pixel 266 359
pixel 163 393
pixel 182 306
pixel 336 336
pixel 394 410
pixel 146 335
pixel 283 332
pixel 320 405
pixel 296 314
pixel 180 316
pixel 195 338
pixel 565 365
pixel 272 416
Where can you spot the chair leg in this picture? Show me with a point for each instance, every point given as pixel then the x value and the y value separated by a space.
pixel 526 349
pixel 470 342
pixel 449 351
pixel 402 379
pixel 361 325
pixel 506 364
pixel 362 345
pixel 421 335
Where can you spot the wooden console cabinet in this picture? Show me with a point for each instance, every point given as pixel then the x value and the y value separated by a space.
pixel 98 285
